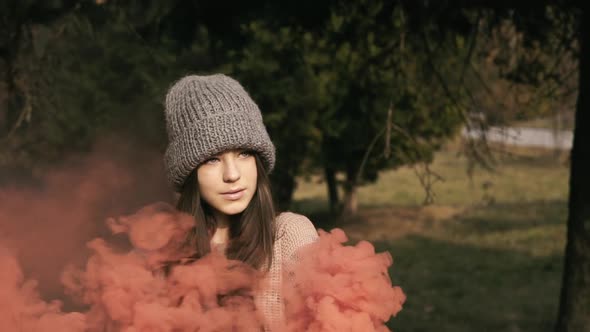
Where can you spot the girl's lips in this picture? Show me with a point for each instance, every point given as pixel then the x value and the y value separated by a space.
pixel 234 196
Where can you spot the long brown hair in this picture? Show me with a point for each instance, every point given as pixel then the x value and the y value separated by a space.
pixel 251 233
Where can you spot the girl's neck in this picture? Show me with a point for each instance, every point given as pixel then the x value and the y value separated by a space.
pixel 221 234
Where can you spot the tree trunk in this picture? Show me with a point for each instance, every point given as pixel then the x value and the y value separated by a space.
pixel 8 94
pixel 330 175
pixel 283 186
pixel 350 207
pixel 574 306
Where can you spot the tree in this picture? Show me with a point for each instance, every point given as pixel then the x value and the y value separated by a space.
pixel 326 90
pixel 18 20
pixel 574 306
pixel 381 109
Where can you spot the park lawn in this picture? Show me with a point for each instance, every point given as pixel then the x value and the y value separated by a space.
pixel 487 256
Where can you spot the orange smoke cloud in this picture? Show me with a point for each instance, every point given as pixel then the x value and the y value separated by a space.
pixel 129 291
pixel 47 225
pixel 137 273
pixel 334 287
pixel 132 287
pixel 22 309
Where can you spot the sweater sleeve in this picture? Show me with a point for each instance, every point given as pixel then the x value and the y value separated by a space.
pixel 295 231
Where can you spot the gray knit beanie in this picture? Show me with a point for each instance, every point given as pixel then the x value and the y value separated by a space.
pixel 206 115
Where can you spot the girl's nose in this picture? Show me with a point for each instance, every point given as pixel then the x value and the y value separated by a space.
pixel 231 172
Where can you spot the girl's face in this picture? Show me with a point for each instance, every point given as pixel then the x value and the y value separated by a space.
pixel 227 181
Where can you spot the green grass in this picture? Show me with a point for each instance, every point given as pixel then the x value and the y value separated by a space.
pixel 479 259
pixel 522 180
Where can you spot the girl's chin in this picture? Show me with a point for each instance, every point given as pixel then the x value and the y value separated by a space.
pixel 233 210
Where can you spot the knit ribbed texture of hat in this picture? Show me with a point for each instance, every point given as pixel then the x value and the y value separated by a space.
pixel 206 115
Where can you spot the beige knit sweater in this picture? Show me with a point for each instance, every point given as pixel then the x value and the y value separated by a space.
pixel 293 232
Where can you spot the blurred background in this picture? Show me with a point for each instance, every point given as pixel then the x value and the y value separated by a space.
pixel 441 131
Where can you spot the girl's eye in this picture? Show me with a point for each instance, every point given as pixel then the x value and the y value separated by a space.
pixel 211 161
pixel 245 154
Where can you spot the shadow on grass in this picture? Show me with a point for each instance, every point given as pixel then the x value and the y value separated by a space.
pixel 512 216
pixel 496 217
pixel 317 210
pixel 461 288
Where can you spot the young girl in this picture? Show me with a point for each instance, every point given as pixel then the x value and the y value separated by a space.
pixel 218 158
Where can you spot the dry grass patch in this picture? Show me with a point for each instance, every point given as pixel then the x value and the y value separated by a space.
pixel 389 223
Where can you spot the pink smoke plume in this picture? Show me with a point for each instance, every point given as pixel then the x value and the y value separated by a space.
pixel 129 290
pixel 47 224
pixel 334 287
pixel 140 273
pixel 22 309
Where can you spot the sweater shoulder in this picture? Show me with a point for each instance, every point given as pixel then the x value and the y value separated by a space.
pixel 293 232
pixel 293 222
